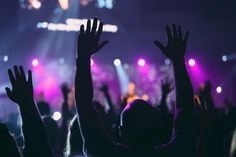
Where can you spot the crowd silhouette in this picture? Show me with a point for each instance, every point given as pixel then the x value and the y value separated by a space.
pixel 195 127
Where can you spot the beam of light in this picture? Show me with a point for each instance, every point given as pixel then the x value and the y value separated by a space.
pixel 123 79
pixel 191 62
pixel 56 116
pixel 141 62
pixel 64 4
pixel 219 89
pixel 35 62
pixel 117 62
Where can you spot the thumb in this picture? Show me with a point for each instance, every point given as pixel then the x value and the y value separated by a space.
pixel 159 45
pixel 103 44
pixel 8 91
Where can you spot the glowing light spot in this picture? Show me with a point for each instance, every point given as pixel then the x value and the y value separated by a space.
pixel 191 62
pixel 5 58
pixel 141 62
pixel 35 62
pixel 61 60
pixel 56 116
pixel 167 61
pixel 224 58
pixel 36 4
pixel 219 89
pixel 117 62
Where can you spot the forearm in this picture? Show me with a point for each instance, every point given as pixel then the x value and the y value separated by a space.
pixel 184 89
pixel 36 142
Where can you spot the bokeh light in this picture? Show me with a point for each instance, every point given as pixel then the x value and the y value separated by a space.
pixel 141 62
pixel 191 62
pixel 117 62
pixel 35 62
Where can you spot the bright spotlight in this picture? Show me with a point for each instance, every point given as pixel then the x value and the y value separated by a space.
pixel 224 58
pixel 91 62
pixel 117 62
pixel 191 62
pixel 35 62
pixel 36 4
pixel 219 89
pixel 56 116
pixel 5 58
pixel 141 62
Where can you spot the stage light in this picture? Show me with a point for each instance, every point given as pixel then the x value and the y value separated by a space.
pixel 167 61
pixel 117 62
pixel 35 62
pixel 141 62
pixel 56 116
pixel 5 58
pixel 91 62
pixel 36 4
pixel 191 62
pixel 219 89
pixel 224 58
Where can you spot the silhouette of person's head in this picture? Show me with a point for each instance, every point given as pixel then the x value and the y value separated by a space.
pixel 140 124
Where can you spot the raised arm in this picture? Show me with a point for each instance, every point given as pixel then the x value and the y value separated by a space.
pixel 183 139
pixel 89 121
pixel 175 50
pixel 36 142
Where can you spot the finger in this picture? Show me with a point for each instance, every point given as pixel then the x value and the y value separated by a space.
pixel 88 28
pixel 8 91
pixel 174 31
pixel 29 77
pixel 159 45
pixel 186 37
pixel 103 44
pixel 17 73
pixel 180 36
pixel 82 29
pixel 94 28
pixel 22 73
pixel 11 77
pixel 100 28
pixel 169 35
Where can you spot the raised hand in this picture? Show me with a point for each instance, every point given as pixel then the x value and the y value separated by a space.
pixel 88 41
pixel 22 88
pixel 176 45
pixel 166 87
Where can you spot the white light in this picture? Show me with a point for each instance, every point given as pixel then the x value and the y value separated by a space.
pixel 5 58
pixel 224 58
pixel 36 4
pixel 219 89
pixel 117 62
pixel 167 61
pixel 56 116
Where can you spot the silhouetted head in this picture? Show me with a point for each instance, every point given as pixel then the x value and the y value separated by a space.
pixel 44 108
pixel 141 125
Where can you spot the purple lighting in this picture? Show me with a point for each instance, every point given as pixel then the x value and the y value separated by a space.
pixel 191 62
pixel 35 62
pixel 141 62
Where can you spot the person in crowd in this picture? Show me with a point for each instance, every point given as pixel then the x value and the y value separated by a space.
pixel 36 142
pixel 140 124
